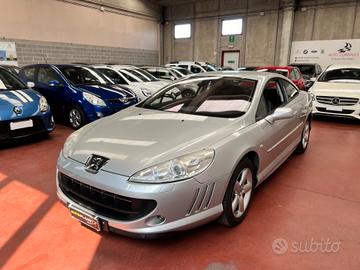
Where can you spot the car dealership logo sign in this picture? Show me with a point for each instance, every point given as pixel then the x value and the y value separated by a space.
pixel 95 163
pixel 346 48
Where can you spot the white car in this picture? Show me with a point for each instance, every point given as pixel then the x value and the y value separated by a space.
pixel 337 92
pixel 141 89
pixel 194 67
pixel 139 75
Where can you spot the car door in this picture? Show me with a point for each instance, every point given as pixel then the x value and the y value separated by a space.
pixel 273 147
pixel 294 102
pixel 51 85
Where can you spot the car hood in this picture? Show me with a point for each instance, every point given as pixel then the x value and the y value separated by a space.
pixel 158 84
pixel 27 99
pixel 107 91
pixel 137 138
pixel 336 89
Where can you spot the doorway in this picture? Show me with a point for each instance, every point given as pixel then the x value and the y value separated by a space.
pixel 230 59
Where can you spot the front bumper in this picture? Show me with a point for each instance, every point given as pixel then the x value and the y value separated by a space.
pixel 352 111
pixel 183 205
pixel 95 112
pixel 43 123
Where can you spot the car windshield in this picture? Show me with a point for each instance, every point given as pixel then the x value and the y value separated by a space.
pixel 341 75
pixel 147 75
pixel 225 97
pixel 83 75
pixel 208 68
pixel 138 75
pixel 9 81
pixel 177 73
pixel 308 70
pixel 183 71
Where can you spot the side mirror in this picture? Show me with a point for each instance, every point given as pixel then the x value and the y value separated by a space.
pixel 30 85
pixel 54 83
pixel 172 78
pixel 280 114
pixel 313 79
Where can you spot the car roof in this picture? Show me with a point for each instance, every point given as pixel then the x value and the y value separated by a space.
pixel 252 75
pixel 303 64
pixel 339 66
pixel 288 68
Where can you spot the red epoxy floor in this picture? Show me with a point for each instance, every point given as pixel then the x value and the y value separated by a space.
pixel 313 198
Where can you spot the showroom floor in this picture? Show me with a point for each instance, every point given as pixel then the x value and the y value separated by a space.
pixel 312 198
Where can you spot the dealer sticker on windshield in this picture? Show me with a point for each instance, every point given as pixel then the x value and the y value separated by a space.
pixel 85 218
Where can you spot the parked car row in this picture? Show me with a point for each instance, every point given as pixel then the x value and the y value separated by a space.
pixel 81 93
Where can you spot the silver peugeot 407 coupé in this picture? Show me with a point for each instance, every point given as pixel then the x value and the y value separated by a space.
pixel 191 153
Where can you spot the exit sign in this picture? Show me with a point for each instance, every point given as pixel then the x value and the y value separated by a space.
pixel 231 39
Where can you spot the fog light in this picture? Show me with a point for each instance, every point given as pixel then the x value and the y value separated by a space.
pixel 99 114
pixel 155 220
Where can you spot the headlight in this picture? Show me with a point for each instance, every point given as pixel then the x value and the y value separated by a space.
pixel 94 100
pixel 176 169
pixel 43 105
pixel 146 92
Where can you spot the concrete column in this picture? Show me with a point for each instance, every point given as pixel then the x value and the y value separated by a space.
pixel 286 34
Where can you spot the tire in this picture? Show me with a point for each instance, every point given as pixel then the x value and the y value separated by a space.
pixel 243 190
pixel 76 117
pixel 305 137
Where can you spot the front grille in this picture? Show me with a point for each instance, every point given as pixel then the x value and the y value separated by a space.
pixel 118 101
pixel 339 101
pixel 104 203
pixel 331 111
pixel 7 133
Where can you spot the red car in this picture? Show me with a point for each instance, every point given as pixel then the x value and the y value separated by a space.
pixel 293 73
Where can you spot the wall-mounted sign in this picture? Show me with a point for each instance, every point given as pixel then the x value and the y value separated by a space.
pixel 231 39
pixel 326 52
pixel 8 54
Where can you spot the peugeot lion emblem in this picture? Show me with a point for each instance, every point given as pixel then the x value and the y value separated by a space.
pixel 94 163
pixel 17 110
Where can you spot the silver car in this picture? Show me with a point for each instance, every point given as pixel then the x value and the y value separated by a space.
pixel 191 153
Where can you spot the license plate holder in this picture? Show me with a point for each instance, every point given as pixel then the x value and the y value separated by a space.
pixel 21 124
pixel 85 218
pixel 334 108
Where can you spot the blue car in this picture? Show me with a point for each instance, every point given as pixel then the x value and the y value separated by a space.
pixel 23 111
pixel 77 94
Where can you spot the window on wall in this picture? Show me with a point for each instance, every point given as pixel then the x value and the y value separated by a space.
pixel 232 27
pixel 183 30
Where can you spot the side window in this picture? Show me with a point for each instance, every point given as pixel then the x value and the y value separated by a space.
pixel 292 75
pixel 271 99
pixel 46 75
pixel 289 89
pixel 195 69
pixel 30 73
pixel 184 66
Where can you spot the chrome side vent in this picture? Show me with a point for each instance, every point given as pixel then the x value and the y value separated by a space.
pixel 202 198
pixel 210 195
pixel 193 201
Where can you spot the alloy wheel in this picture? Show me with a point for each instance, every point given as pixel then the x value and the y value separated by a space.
pixel 242 192
pixel 306 135
pixel 75 118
